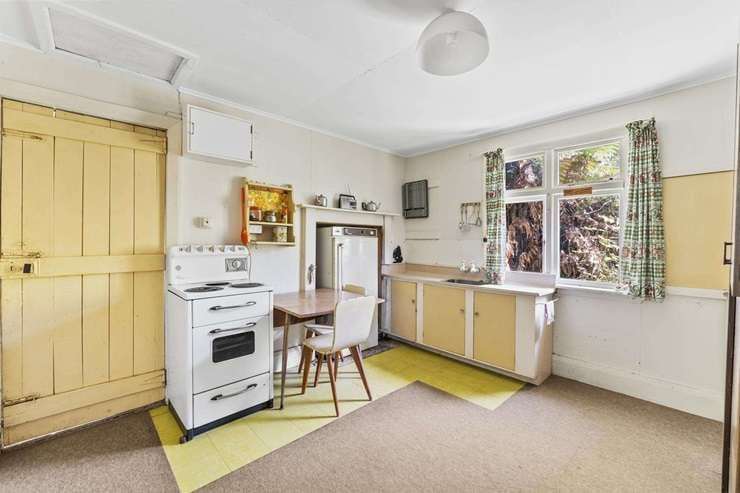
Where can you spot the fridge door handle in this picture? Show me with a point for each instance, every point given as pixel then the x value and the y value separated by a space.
pixel 340 255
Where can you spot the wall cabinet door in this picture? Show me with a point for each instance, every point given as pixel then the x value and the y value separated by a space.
pixel 218 135
pixel 444 318
pixel 494 329
pixel 403 309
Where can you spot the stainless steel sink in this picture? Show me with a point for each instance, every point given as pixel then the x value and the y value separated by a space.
pixel 467 281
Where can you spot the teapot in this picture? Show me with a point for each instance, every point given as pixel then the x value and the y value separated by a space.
pixel 370 206
pixel 321 200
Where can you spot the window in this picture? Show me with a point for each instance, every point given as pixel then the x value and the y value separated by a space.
pixel 593 164
pixel 525 223
pixel 525 172
pixel 588 231
pixel 575 195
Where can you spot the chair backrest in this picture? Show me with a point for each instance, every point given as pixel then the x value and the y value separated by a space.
pixel 354 288
pixel 353 320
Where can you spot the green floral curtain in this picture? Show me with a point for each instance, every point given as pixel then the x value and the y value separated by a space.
pixel 495 214
pixel 643 254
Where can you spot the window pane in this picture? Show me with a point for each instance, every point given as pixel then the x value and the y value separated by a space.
pixel 525 173
pixel 589 238
pixel 589 164
pixel 524 236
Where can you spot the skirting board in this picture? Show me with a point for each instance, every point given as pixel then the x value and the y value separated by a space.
pixel 701 402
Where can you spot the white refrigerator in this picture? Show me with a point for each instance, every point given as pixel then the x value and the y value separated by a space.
pixel 349 255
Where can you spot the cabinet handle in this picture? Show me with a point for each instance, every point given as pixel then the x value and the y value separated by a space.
pixel 725 259
pixel 192 128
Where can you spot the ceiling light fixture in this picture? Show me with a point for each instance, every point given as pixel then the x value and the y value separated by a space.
pixel 454 43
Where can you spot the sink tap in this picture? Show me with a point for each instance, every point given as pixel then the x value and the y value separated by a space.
pixel 487 275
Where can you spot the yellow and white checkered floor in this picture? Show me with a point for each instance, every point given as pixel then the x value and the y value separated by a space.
pixel 227 448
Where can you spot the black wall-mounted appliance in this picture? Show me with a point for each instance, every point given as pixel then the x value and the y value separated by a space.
pixel 415 199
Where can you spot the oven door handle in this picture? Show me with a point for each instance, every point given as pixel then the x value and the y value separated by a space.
pixel 249 387
pixel 231 307
pixel 220 331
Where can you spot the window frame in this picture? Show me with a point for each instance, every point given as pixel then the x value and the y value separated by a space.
pixel 517 191
pixel 555 168
pixel 545 243
pixel 552 191
pixel 557 198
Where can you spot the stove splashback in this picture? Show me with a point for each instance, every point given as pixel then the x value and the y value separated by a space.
pixel 188 264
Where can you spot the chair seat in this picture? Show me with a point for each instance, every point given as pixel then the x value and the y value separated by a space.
pixel 321 344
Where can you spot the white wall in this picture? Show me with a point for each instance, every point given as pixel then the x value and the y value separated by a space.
pixel 285 154
pixel 671 353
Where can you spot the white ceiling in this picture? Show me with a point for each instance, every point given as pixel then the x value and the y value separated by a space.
pixel 348 67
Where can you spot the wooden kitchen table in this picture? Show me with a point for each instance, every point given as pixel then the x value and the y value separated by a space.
pixel 305 305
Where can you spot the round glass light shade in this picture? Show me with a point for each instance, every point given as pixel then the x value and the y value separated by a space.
pixel 454 43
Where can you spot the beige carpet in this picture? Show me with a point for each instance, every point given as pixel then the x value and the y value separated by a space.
pixel 118 455
pixel 562 436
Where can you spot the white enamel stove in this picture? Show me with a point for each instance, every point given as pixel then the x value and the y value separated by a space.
pixel 218 337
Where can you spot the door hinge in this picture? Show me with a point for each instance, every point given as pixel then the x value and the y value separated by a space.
pixel 251 155
pixel 165 377
pixel 21 400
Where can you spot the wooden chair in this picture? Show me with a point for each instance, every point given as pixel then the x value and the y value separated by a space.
pixel 317 329
pixel 353 320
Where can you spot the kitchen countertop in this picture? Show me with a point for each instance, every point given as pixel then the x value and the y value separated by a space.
pixel 434 278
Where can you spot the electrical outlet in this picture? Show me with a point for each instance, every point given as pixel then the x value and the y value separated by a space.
pixel 203 222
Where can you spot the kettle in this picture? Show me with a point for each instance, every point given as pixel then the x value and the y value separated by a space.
pixel 321 200
pixel 370 206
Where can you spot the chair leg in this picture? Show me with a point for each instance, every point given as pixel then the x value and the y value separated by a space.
pixel 306 335
pixel 306 358
pixel 320 358
pixel 332 379
pixel 336 364
pixel 357 356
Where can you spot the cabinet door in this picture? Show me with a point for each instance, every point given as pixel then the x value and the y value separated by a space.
pixel 218 135
pixel 494 329
pixel 444 318
pixel 403 309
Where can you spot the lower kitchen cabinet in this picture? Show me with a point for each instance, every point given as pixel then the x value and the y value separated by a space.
pixel 403 309
pixel 494 329
pixel 444 318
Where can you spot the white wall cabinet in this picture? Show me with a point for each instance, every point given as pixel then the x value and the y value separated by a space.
pixel 218 136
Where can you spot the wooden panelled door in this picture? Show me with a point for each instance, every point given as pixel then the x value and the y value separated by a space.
pixel 81 268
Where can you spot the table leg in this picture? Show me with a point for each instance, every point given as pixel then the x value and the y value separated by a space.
pixel 284 366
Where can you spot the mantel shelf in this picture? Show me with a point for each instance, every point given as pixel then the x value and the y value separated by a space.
pixel 349 211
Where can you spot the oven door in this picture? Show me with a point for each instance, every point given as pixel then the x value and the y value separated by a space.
pixel 228 352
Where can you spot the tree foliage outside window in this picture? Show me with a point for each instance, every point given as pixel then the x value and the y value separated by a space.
pixel 589 238
pixel 524 223
pixel 594 164
pixel 525 173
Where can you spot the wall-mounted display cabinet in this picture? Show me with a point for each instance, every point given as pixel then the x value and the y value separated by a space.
pixel 267 214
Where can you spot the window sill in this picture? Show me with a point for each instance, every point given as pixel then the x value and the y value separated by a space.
pixel 589 289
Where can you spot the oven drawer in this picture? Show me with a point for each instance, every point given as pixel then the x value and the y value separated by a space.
pixel 229 399
pixel 231 351
pixel 225 308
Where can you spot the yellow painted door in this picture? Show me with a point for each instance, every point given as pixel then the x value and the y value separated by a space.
pixel 494 329
pixel 444 318
pixel 81 268
pixel 403 309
